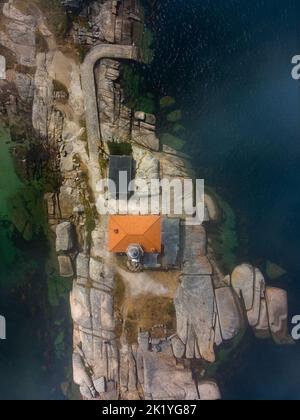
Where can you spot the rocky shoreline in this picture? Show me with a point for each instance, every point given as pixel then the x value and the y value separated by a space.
pixel 78 108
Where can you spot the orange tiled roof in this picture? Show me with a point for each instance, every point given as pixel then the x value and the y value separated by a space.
pixel 128 230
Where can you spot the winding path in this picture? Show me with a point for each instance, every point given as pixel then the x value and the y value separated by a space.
pixel 99 52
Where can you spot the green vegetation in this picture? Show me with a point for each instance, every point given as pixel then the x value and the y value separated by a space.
pixel 8 170
pixel 224 355
pixel 274 271
pixel 27 212
pixel 167 102
pixel 174 116
pixel 58 287
pixel 223 235
pixel 178 129
pixel 103 165
pixel 58 292
pixel 56 16
pixel 172 132
pixel 135 90
pixel 147 51
pixel 120 149
pixel 172 141
pixel 59 345
pixel 91 216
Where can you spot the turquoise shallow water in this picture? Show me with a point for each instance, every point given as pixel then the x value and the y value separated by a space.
pixel 26 357
pixel 228 65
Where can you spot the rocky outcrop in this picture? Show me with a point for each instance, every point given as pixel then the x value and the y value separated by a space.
pixel 206 316
pixel 114 116
pixel 43 96
pixel 65 237
pixel 266 307
pixel 144 131
pixel 92 313
pixel 196 316
pixel 162 379
pixel 277 309
pixel 65 266
pixel 230 313
pixel 109 21
pixel 19 35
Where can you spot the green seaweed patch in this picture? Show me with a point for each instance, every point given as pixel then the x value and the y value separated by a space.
pixel 223 234
pixel 225 354
pixel 167 102
pixel 146 46
pixel 170 140
pixel 274 271
pixel 146 104
pixel 178 129
pixel 174 116
pixel 135 90
pixel 27 211
pixel 59 345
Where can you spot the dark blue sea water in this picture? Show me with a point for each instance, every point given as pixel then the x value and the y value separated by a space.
pixel 228 65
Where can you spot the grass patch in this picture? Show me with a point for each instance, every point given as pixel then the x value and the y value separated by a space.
pixel 146 312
